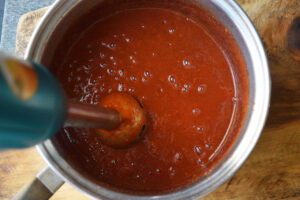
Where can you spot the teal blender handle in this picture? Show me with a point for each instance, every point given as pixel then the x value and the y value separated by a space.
pixel 32 103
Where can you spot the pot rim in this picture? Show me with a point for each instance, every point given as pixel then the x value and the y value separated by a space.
pixel 239 154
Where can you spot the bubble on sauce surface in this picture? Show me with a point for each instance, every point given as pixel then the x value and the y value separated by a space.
pixel 208 146
pixel 177 157
pixel 103 172
pixel 164 21
pixel 199 128
pixel 183 89
pixel 143 79
pixel 94 158
pixel 111 71
pixel 171 79
pixel 102 55
pixel 133 78
pixel 95 90
pixel 200 88
pixel 103 65
pixel 171 30
pixel 198 150
pixel 121 72
pixel 172 171
pixel 147 73
pixel 138 176
pixel 102 150
pixel 121 87
pixel 114 162
pixel 200 161
pixel 87 67
pixel 187 86
pixel 158 170
pixel 186 62
pixel 130 90
pixel 170 44
pixel 102 89
pixel 195 111
pixel 127 40
pixel 112 45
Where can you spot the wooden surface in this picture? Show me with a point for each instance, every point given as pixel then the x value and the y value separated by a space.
pixel 273 169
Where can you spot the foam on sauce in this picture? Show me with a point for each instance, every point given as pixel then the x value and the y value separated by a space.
pixel 180 74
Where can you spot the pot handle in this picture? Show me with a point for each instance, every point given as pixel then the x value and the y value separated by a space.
pixel 42 187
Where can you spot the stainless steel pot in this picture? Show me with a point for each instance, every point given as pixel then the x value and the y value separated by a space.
pixel 233 17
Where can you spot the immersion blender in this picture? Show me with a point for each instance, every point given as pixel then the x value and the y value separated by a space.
pixel 33 106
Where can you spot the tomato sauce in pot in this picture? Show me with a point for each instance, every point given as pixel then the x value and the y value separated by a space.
pixel 185 70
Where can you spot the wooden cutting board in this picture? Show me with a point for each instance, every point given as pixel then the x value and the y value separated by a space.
pixel 273 169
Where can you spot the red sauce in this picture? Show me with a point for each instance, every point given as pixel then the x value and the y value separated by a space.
pixel 193 88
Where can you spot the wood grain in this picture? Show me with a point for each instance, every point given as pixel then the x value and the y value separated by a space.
pixel 273 169
pixel 272 19
pixel 25 28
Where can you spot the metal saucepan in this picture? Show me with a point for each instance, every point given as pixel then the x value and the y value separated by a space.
pixel 236 21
